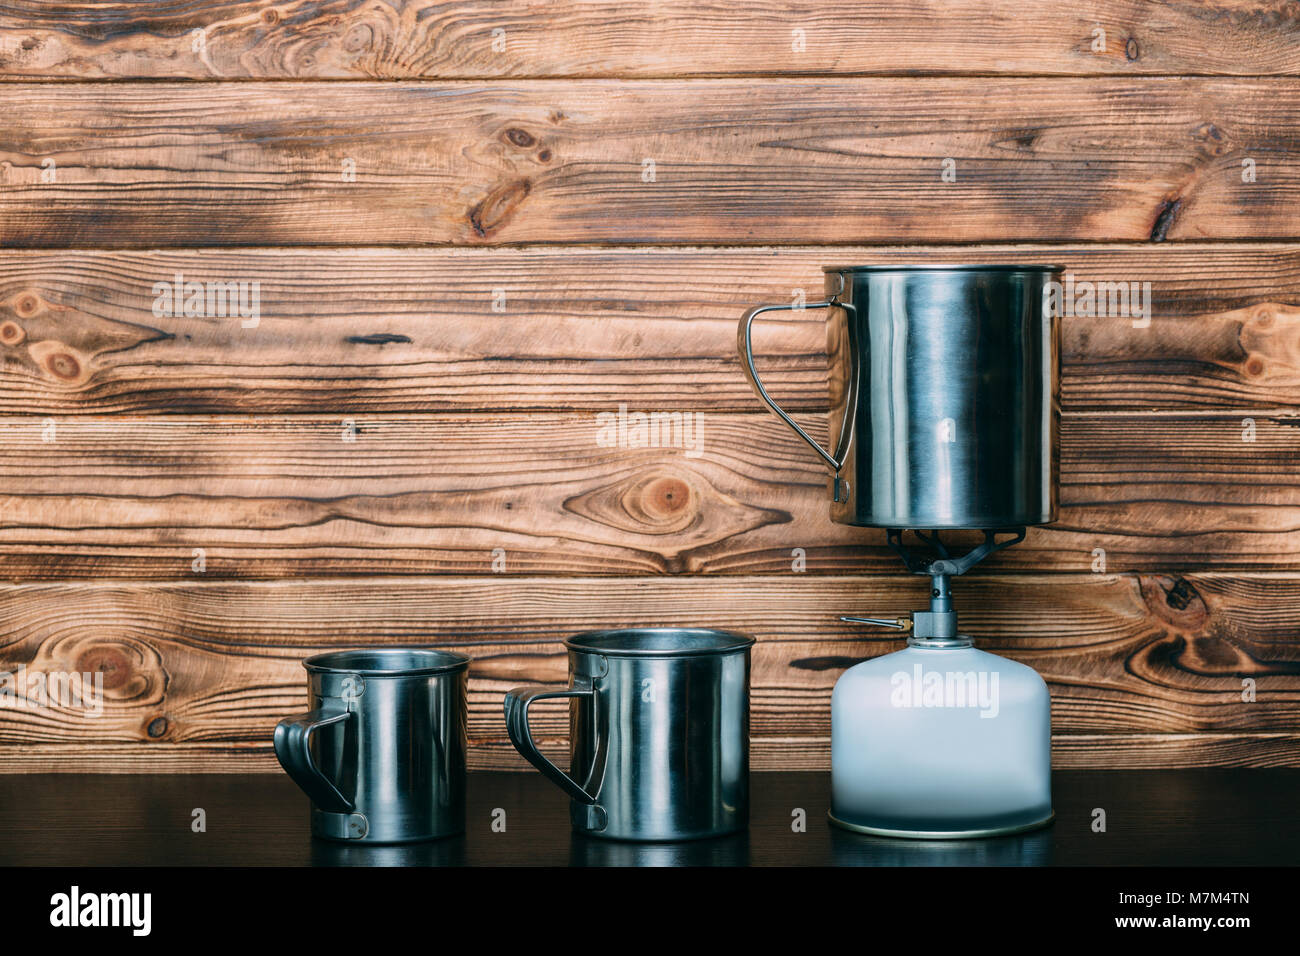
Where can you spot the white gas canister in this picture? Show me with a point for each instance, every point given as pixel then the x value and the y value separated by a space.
pixel 940 741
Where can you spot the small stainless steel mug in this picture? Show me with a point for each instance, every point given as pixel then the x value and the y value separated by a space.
pixel 381 754
pixel 944 385
pixel 659 741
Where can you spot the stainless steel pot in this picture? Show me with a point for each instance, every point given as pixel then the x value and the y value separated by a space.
pixel 659 742
pixel 944 395
pixel 381 753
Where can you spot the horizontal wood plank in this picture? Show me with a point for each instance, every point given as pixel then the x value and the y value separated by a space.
pixel 1143 669
pixel 1069 752
pixel 703 161
pixel 414 330
pixel 564 494
pixel 482 38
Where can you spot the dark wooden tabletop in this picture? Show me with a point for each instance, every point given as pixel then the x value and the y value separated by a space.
pixel 1153 818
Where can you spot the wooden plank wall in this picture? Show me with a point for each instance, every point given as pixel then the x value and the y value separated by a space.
pixel 477 226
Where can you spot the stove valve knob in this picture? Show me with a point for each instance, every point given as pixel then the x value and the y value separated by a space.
pixel 898 623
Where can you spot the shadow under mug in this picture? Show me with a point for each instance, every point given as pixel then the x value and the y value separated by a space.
pixel 659 741
pixel 381 753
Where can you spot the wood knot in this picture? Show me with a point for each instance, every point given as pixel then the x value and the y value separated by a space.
pixel 1021 139
pixel 829 663
pixel 653 503
pixel 497 208
pixel 27 305
pixel 270 16
pixel 380 338
pixel 11 333
pixel 130 670
pixel 157 727
pixel 1131 51
pixel 677 516
pixel 519 137
pixel 522 139
pixel 1254 366
pixel 664 498
pixel 360 39
pixel 1210 139
pixel 107 659
pixel 1180 595
pixel 1208 655
pixel 1263 317
pixel 658 503
pixel 1175 601
pixel 63 365
pixel 1166 214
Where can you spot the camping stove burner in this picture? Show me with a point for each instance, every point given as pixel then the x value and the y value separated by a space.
pixel 940 621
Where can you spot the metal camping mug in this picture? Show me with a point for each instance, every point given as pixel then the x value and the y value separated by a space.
pixel 659 733
pixel 944 394
pixel 381 753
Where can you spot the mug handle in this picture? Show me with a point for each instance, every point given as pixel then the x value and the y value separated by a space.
pixel 516 705
pixel 293 750
pixel 744 342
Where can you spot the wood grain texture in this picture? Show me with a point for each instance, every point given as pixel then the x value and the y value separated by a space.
pixel 196 675
pixel 1069 752
pixel 366 331
pixel 556 494
pixel 426 38
pixel 539 233
pixel 735 161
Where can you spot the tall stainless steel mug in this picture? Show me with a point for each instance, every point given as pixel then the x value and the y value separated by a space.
pixel 659 733
pixel 944 394
pixel 381 753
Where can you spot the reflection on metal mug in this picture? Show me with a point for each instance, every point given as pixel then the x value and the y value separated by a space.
pixel 381 754
pixel 659 742
pixel 944 384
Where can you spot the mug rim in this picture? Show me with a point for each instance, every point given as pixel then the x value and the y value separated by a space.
pixel 436 661
pixel 725 642
pixel 948 267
